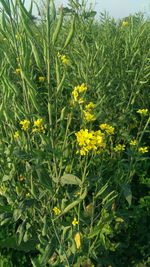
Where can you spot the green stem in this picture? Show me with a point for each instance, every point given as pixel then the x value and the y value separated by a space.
pixel 49 87
pixel 59 241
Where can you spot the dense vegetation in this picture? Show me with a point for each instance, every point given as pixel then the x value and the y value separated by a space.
pixel 74 138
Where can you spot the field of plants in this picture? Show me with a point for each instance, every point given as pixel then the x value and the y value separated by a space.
pixel 74 137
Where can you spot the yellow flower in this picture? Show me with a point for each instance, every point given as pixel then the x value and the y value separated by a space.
pixel 38 126
pixel 125 23
pixel 99 139
pixel 133 142
pixel 119 148
pixel 90 141
pixel 16 135
pixel 81 100
pixel 56 211
pixel 83 151
pixel 143 149
pixel 77 239
pixel 74 222
pixel 142 112
pixel 38 123
pixel 41 79
pixel 82 88
pixel 28 194
pixel 90 106
pixel 107 128
pixel 63 58
pixel 88 116
pixel 17 71
pixel 25 124
pixel 75 94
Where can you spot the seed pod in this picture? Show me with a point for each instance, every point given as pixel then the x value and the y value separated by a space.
pixel 44 230
pixel 52 11
pixel 36 55
pixel 57 72
pixel 58 27
pixel 71 33
pixel 61 83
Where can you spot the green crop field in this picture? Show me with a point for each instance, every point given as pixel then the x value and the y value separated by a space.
pixel 74 137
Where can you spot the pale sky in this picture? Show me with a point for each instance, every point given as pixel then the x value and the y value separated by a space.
pixel 115 8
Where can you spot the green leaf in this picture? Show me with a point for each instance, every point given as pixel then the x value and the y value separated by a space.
pixel 49 250
pixel 5 208
pixel 68 179
pixel 11 242
pixel 90 14
pixel 35 263
pixel 17 214
pixel 20 233
pixel 6 220
pixel 6 178
pixel 97 229
pixel 127 193
pixel 74 203
pixel 44 177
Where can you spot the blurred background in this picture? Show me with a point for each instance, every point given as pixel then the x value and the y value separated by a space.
pixel 115 8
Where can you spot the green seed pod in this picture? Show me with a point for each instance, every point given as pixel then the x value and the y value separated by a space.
pixel 44 230
pixel 52 11
pixel 71 33
pixel 62 115
pixel 58 27
pixel 57 72
pixel 61 83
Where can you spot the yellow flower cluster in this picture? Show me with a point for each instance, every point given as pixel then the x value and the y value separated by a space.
pixel 143 149
pixel 56 211
pixel 79 89
pixel 75 221
pixel 63 58
pixel 17 71
pixel 119 148
pixel 88 116
pixel 90 141
pixel 41 79
pixel 125 23
pixel 90 106
pixel 142 112
pixel 25 124
pixel 107 128
pixel 38 126
pixel 16 135
pixel 88 112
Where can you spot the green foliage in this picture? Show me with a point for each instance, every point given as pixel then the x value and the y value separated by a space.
pixel 74 138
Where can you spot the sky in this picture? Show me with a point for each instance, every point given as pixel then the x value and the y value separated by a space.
pixel 115 8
